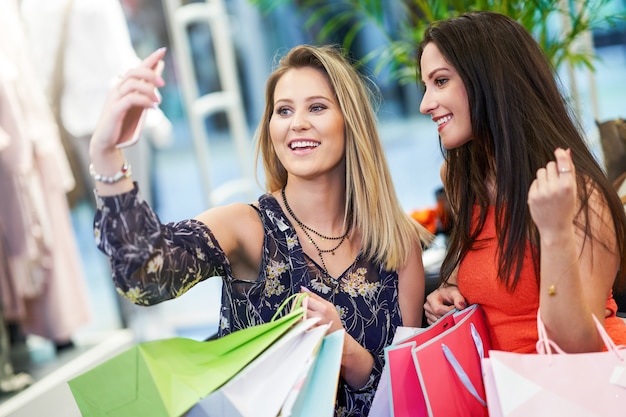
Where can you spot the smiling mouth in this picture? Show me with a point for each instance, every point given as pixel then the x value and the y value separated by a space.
pixel 303 144
pixel 443 120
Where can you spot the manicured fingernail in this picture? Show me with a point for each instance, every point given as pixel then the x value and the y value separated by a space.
pixel 305 289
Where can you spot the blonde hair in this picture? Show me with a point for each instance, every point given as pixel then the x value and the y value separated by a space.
pixel 388 233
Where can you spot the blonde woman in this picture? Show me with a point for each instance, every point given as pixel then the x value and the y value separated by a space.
pixel 330 222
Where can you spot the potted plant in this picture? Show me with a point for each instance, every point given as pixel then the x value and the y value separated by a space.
pixel 562 28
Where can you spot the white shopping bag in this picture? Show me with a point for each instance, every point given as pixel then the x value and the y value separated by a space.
pixel 316 393
pixel 262 387
pixel 381 405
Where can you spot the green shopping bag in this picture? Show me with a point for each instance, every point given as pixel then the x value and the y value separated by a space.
pixel 165 378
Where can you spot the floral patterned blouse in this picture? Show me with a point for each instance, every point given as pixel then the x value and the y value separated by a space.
pixel 164 261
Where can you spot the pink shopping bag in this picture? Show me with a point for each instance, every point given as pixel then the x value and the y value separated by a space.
pixel 557 384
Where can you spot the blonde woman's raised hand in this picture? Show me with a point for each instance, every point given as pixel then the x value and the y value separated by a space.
pixel 134 91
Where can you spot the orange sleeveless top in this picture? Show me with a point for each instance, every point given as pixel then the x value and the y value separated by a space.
pixel 511 316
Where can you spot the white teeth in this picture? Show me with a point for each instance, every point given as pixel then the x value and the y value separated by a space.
pixel 443 120
pixel 304 144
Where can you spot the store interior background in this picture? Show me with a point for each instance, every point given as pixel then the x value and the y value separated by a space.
pixel 409 138
pixel 410 141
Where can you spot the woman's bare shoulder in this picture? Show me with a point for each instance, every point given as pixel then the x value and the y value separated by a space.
pixel 233 225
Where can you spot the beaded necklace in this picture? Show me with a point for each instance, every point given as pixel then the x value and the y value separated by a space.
pixel 306 229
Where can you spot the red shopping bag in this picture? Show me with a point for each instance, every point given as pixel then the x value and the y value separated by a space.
pixel 399 358
pixel 438 372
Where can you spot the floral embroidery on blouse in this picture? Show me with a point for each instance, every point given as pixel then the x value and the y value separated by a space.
pixel 147 270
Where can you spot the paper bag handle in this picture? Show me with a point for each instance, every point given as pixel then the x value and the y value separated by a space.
pixel 297 303
pixel 544 344
pixel 458 369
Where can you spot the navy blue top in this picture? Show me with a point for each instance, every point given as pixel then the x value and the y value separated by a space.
pixel 153 262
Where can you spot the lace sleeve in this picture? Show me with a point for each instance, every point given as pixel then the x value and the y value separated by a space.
pixel 152 262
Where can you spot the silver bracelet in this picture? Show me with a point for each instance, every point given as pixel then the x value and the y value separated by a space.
pixel 125 172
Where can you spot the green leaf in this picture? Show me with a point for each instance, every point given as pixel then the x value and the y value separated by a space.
pixel 404 31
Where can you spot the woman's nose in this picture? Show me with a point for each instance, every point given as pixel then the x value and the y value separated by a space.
pixel 427 104
pixel 300 121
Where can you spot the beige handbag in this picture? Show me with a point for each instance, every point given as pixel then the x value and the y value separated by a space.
pixel 613 141
pixel 56 93
pixel 620 186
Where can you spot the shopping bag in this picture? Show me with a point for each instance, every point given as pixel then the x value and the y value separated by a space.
pixel 493 402
pixel 405 376
pixel 317 393
pixel 454 360
pixel 381 404
pixel 557 384
pixel 261 388
pixel 442 375
pixel 298 388
pixel 165 378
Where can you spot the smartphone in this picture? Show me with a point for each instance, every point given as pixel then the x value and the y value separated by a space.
pixel 140 122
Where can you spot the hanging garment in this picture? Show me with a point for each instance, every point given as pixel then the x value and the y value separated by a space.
pixel 49 297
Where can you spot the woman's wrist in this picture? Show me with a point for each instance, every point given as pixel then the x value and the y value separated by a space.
pixel 557 238
pixel 124 172
pixel 356 363
pixel 111 173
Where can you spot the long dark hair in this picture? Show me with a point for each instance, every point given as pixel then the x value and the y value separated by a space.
pixel 519 118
